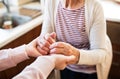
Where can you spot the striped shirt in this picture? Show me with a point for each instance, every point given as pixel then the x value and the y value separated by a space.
pixel 70 28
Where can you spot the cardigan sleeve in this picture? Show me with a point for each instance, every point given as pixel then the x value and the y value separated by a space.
pixel 39 69
pixel 98 51
pixel 11 57
pixel 48 17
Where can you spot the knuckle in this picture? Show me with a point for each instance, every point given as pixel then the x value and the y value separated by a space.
pixel 60 43
pixel 55 49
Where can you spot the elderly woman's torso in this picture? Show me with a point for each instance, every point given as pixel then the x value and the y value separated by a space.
pixel 70 28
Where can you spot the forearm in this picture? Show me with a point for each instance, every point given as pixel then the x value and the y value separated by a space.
pixel 11 57
pixel 39 69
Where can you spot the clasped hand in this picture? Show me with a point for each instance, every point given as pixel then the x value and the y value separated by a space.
pixel 61 52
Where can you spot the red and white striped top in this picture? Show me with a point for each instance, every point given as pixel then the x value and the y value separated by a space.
pixel 70 28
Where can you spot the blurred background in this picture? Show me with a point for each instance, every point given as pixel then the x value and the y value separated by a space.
pixel 22 19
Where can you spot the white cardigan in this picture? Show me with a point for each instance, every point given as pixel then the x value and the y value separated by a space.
pixel 100 53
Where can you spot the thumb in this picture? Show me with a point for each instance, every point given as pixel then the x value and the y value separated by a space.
pixel 70 59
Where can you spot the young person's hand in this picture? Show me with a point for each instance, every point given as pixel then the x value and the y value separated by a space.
pixel 65 49
pixel 44 43
pixel 31 49
pixel 61 61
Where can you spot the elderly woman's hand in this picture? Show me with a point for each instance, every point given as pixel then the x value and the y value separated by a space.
pixel 65 49
pixel 44 43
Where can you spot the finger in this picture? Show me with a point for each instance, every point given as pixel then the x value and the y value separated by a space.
pixel 53 35
pixel 43 52
pixel 43 47
pixel 37 53
pixel 71 59
pixel 57 45
pixel 58 51
pixel 44 42
pixel 49 39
